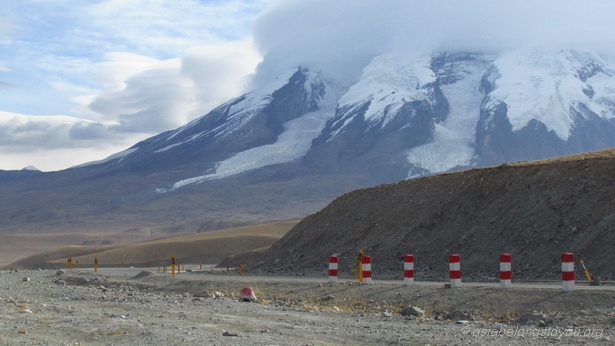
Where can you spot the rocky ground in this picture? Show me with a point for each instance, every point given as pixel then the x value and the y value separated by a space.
pixel 134 307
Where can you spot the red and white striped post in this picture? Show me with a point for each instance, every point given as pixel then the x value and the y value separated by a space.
pixel 567 272
pixel 408 269
pixel 455 270
pixel 367 270
pixel 333 268
pixel 505 270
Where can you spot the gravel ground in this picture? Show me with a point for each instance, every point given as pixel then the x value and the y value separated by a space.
pixel 112 308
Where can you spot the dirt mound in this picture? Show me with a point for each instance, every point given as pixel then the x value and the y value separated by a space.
pixel 533 210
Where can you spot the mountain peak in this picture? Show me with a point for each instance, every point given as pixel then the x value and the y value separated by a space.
pixel 408 115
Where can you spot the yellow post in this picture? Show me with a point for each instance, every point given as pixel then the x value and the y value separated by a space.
pixel 164 269
pixel 361 266
pixel 95 264
pixel 240 268
pixel 586 272
pixel 69 263
pixel 172 265
pixel 77 264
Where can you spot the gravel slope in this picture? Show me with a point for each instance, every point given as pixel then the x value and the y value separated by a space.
pixel 83 308
pixel 534 210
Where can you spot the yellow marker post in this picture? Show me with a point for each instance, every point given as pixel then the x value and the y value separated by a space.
pixel 69 263
pixel 95 264
pixel 589 278
pixel 172 265
pixel 361 266
pixel 240 268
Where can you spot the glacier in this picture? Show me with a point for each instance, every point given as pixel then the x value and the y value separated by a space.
pixel 453 144
pixel 546 86
pixel 292 144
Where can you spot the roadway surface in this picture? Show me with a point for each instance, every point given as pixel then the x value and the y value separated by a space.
pixel 214 274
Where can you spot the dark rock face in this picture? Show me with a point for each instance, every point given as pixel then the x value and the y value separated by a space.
pixel 497 143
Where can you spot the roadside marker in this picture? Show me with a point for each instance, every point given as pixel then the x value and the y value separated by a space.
pixel 172 265
pixel 454 266
pixel 408 269
pixel 567 272
pixel 367 270
pixel 333 268
pixel 505 270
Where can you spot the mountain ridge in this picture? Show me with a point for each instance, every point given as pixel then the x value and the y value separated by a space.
pixel 287 149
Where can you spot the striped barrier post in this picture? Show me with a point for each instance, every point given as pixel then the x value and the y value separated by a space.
pixel 408 269
pixel 333 268
pixel 567 272
pixel 505 270
pixel 454 270
pixel 367 270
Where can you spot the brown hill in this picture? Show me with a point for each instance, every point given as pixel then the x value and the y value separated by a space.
pixel 200 248
pixel 532 210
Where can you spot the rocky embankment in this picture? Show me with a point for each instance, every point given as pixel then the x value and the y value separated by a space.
pixel 535 211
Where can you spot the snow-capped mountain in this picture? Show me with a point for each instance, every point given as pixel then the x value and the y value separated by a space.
pixel 408 115
pixel 288 148
pixel 269 125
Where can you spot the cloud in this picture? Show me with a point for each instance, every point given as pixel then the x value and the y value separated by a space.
pixel 118 70
pixel 342 36
pixel 150 96
pixel 161 27
pixel 52 142
pixel 6 26
pixel 123 70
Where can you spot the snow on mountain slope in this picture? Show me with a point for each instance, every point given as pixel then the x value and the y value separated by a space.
pixel 453 144
pixel 387 83
pixel 603 86
pixel 240 110
pixel 291 144
pixel 546 86
pixel 409 114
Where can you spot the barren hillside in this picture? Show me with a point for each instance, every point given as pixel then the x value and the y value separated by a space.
pixel 532 210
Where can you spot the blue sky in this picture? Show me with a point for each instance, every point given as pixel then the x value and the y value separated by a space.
pixel 83 79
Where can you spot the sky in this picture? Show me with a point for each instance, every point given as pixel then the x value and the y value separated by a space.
pixel 83 79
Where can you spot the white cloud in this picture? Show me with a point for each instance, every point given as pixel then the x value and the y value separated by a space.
pixel 53 141
pixel 150 96
pixel 121 70
pixel 344 35
pixel 134 68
